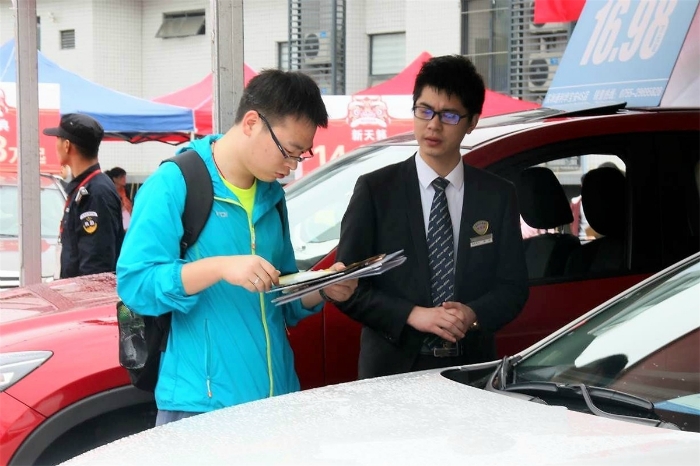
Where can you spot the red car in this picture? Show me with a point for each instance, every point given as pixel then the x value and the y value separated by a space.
pixel 63 391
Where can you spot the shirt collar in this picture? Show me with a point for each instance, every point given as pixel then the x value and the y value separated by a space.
pixel 426 175
pixel 79 179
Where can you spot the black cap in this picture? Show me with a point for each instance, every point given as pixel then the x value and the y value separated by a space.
pixel 79 129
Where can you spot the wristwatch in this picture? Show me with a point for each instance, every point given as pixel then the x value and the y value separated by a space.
pixel 327 298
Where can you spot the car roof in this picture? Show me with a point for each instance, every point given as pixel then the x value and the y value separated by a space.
pixel 8 178
pixel 493 127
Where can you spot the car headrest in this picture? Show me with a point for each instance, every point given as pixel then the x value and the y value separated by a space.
pixel 603 199
pixel 543 203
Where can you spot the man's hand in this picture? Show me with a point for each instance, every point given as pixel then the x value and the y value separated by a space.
pixel 251 272
pixel 449 321
pixel 340 291
pixel 468 312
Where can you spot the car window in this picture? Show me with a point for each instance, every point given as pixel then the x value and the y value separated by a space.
pixel 649 217
pixel 51 204
pixel 556 221
pixel 644 344
pixel 570 172
pixel 316 203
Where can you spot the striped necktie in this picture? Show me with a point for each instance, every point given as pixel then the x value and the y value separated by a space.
pixel 440 246
pixel 440 240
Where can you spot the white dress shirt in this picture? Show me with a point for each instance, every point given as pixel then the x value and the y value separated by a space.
pixel 454 193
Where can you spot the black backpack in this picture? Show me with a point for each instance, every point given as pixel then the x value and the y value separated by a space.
pixel 142 339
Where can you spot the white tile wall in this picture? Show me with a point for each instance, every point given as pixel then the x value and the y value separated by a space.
pixel 116 47
pixel 432 26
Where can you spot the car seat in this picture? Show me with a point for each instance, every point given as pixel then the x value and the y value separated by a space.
pixel 603 198
pixel 544 205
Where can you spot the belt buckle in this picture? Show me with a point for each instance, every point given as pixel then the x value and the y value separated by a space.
pixel 446 351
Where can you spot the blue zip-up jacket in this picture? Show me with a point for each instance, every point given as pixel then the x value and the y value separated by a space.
pixel 226 345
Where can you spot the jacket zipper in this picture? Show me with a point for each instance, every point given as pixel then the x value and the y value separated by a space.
pixel 207 356
pixel 263 315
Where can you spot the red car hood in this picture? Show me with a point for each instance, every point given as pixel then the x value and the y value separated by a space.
pixel 33 315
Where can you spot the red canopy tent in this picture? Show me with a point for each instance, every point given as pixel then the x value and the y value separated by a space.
pixel 402 83
pixel 199 97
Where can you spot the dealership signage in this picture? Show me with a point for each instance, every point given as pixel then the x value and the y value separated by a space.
pixel 622 51
pixel 356 120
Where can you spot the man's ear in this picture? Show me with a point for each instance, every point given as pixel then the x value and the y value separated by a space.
pixel 473 121
pixel 250 119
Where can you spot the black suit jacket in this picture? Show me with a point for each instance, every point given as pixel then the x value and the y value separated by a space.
pixel 385 215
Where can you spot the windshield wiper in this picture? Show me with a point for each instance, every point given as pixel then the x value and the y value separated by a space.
pixel 606 395
pixel 523 390
pixel 501 373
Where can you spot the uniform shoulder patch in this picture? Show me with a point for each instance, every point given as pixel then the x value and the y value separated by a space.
pixel 89 221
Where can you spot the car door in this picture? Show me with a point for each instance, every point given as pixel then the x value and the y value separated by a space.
pixel 659 225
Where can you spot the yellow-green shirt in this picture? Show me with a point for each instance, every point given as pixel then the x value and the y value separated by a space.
pixel 246 196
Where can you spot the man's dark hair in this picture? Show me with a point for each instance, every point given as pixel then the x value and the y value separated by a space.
pixel 454 75
pixel 84 152
pixel 280 94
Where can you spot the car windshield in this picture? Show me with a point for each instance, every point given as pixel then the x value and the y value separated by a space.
pixel 645 344
pixel 51 212
pixel 317 202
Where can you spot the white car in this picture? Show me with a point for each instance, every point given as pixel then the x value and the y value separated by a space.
pixel 620 385
pixel 52 200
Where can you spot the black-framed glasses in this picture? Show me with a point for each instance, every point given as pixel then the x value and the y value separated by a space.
pixel 299 158
pixel 449 118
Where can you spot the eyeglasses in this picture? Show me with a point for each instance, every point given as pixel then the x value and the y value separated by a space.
pixel 449 118
pixel 299 158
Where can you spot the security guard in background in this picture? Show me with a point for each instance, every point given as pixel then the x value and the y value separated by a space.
pixel 91 231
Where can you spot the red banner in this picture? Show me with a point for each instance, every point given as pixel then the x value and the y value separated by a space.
pixel 356 121
pixel 557 11
pixel 48 159
pixel 339 138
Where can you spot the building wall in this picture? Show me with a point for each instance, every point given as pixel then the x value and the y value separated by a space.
pixel 171 64
pixel 116 46
pixel 117 38
pixel 433 27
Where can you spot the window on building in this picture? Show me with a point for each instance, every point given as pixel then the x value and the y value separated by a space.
pixel 182 24
pixel 387 56
pixel 38 33
pixel 485 34
pixel 68 39
pixel 283 55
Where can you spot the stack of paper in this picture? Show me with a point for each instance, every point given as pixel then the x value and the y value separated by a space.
pixel 296 285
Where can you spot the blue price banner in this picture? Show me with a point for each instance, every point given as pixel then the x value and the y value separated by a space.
pixel 621 51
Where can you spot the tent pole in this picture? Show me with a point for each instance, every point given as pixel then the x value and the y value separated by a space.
pixel 28 142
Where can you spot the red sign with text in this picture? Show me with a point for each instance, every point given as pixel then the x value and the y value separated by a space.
pixel 367 119
pixel 9 153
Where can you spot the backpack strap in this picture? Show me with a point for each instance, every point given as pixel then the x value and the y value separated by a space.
pixel 199 198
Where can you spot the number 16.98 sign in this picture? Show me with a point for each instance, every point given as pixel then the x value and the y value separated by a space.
pixel 621 51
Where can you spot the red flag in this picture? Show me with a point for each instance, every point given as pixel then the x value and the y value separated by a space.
pixel 557 11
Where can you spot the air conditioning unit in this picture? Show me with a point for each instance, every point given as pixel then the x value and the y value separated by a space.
pixel 540 70
pixel 316 48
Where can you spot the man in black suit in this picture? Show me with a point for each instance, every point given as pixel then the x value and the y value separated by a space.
pixel 465 276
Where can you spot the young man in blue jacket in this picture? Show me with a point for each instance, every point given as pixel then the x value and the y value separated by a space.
pixel 227 343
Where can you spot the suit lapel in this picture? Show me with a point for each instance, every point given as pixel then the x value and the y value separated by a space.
pixel 414 217
pixel 471 192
